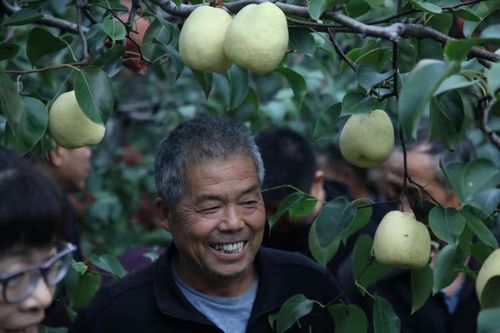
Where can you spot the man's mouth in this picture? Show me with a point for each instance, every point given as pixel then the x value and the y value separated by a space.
pixel 228 248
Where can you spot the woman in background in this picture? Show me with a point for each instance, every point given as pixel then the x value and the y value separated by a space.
pixel 33 254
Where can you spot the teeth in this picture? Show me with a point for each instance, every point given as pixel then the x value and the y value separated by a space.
pixel 229 247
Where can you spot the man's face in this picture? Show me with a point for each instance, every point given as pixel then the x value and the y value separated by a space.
pixel 219 222
pixel 75 167
pixel 27 314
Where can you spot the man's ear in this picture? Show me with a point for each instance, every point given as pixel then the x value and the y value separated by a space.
pixel 165 213
pixel 317 188
pixel 55 157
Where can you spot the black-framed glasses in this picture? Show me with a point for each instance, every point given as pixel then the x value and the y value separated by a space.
pixel 17 286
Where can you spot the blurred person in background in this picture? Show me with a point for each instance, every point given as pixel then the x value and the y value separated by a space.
pixel 290 159
pixel 455 308
pixel 34 256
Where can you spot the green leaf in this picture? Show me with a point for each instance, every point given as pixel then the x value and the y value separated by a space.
pixel 292 310
pixel 454 82
pixel 303 207
pixel 32 125
pixel 109 264
pixel 45 329
pixel 22 17
pixel 479 175
pixel 446 223
pixel 239 81
pixel 348 318
pixel 318 7
pixel 356 8
pixel 290 201
pixel 481 10
pixel 204 80
pixel 488 321
pixel 324 125
pixel 457 50
pixel 366 271
pixel 94 93
pixel 479 229
pixel 421 287
pixel 362 218
pixel 418 90
pixel 8 50
pixel 334 217
pixel 356 103
pixel 448 263
pixel 480 251
pixel 385 319
pixel 447 118
pixel 493 79
pixel 85 289
pixel 114 28
pixel 296 82
pixel 41 42
pixel 10 101
pixel 368 76
pixel 427 6
pixel 302 41
pixel 466 14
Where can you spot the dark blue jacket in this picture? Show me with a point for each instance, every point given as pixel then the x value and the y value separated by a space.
pixel 150 301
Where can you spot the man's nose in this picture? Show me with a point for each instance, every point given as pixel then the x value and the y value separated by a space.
pixel 232 219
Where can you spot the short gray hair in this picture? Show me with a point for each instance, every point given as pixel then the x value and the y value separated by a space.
pixel 196 141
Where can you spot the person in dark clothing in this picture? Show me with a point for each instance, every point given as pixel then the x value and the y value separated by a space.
pixel 290 159
pixel 215 276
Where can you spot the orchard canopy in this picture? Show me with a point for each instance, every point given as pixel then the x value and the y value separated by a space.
pixel 414 59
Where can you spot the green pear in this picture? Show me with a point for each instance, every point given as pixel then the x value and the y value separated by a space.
pixel 257 38
pixel 367 139
pixel 201 40
pixel 69 126
pixel 402 241
pixel 488 281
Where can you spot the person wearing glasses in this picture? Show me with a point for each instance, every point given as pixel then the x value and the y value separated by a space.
pixel 33 255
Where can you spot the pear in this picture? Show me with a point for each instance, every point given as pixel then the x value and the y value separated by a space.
pixel 257 38
pixel 402 241
pixel 69 126
pixel 367 139
pixel 488 281
pixel 201 40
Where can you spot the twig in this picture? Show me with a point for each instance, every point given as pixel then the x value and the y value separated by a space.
pixel 339 51
pixel 80 8
pixel 485 109
pixel 48 68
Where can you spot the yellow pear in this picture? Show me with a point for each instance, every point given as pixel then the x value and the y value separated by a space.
pixel 201 41
pixel 69 126
pixel 488 281
pixel 402 241
pixel 367 139
pixel 257 38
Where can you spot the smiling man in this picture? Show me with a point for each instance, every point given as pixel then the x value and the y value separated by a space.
pixel 215 276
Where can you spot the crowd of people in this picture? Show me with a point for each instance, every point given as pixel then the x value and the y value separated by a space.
pixel 225 270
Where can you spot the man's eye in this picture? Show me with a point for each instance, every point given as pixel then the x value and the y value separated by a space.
pixel 250 203
pixel 209 210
